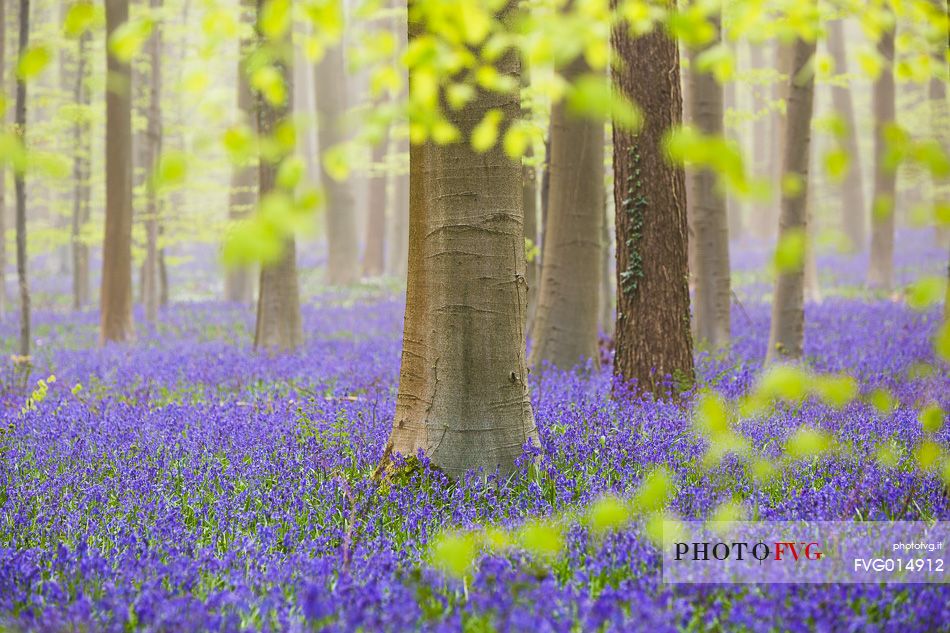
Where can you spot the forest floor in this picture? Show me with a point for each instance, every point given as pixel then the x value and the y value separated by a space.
pixel 187 483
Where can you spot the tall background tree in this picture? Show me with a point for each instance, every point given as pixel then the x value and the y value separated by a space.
pixel 116 291
pixel 3 170
pixel 568 312
pixel 786 334
pixel 853 205
pixel 652 336
pixel 342 243
pixel 81 174
pixel 881 270
pixel 463 383
pixel 710 229
pixel 153 132
pixel 279 325
pixel 239 279
pixel 20 185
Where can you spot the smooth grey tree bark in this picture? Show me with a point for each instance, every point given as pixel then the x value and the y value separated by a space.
pixel 463 391
pixel 710 219
pixel 881 270
pixel 786 334
pixel 566 325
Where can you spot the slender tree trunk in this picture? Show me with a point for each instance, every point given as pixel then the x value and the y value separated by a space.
pixel 343 262
pixel 608 315
pixel 463 391
pixel 730 102
pixel 239 280
pixel 150 288
pixel 399 233
pixel 566 329
pixel 279 324
pixel 116 292
pixel 374 259
pixel 529 196
pixel 710 219
pixel 3 170
pixel 653 338
pixel 853 209
pixel 81 175
pixel 20 185
pixel 881 271
pixel 783 63
pixel 760 220
pixel 786 334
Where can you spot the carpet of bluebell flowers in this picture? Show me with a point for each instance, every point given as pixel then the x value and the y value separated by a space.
pixel 188 483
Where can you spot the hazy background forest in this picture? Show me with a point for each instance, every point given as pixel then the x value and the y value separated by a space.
pixel 353 315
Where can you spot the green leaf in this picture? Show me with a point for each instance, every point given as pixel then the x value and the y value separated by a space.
pixel 790 251
pixel 453 553
pixel 485 133
pixel 33 60
pixel 926 292
pixel 836 391
pixel 607 514
pixel 807 442
pixel 784 382
pixel 336 160
pixel 172 169
pixel 128 39
pixel 79 19
pixel 931 418
pixel 275 18
pixel 592 97
pixel 541 539
pixel 655 490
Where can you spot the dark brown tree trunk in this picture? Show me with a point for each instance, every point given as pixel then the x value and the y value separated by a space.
pixel 881 271
pixel 20 185
pixel 710 232
pixel 343 260
pixel 566 326
pixel 239 280
pixel 787 329
pixel 853 209
pixel 279 324
pixel 116 292
pixel 81 175
pixel 150 286
pixel 463 393
pixel 653 331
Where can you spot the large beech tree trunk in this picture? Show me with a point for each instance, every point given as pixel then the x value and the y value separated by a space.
pixel 279 324
pixel 653 324
pixel 343 263
pixel 81 175
pixel 20 185
pixel 710 218
pixel 853 209
pixel 153 132
pixel 566 326
pixel 787 329
pixel 463 392
pixel 116 292
pixel 881 270
pixel 242 197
